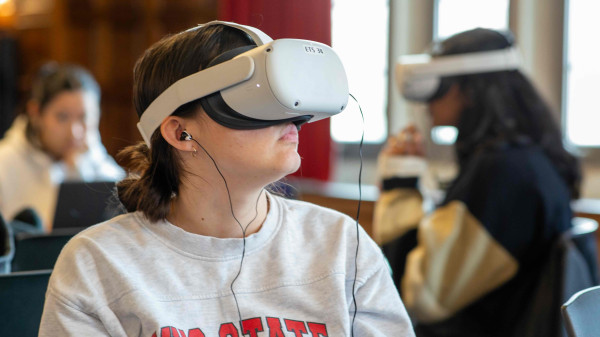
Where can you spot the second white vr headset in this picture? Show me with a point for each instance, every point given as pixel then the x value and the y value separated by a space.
pixel 286 80
pixel 419 76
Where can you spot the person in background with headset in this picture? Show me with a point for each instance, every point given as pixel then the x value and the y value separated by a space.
pixel 206 250
pixel 467 268
pixel 56 140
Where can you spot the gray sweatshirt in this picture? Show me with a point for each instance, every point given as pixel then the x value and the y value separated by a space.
pixel 130 277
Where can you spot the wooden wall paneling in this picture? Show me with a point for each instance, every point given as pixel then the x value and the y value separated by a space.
pixel 178 15
pixel 107 37
pixel 61 43
pixel 116 21
pixel 33 46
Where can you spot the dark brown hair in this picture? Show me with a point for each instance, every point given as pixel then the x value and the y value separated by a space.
pixel 155 173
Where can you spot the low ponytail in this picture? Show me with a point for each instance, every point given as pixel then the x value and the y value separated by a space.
pixel 153 179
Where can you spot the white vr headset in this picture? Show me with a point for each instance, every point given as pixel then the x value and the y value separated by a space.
pixel 419 76
pixel 286 80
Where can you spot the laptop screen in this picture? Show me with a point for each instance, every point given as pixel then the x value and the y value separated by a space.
pixel 82 204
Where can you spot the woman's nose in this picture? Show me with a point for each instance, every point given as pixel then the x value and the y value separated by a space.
pixel 77 131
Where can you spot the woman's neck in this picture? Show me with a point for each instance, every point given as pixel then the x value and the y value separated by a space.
pixel 214 211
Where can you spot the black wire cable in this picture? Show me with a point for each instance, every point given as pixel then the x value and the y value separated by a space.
pixel 237 305
pixel 362 138
pixel 257 200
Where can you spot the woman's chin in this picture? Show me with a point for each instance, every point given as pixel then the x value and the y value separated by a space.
pixel 290 166
pixel 295 168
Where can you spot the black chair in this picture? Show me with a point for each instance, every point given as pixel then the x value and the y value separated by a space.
pixel 22 297
pixel 6 246
pixel 571 267
pixel 26 221
pixel 37 251
pixel 581 313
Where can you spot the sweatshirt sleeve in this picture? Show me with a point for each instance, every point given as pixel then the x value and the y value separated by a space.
pixel 379 309
pixel 63 319
pixel 75 300
pixel 380 315
pixel 456 261
pixel 397 211
pixel 399 207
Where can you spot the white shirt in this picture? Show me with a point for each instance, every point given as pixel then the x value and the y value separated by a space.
pixel 30 178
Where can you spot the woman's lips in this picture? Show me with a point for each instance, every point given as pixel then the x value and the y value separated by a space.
pixel 290 133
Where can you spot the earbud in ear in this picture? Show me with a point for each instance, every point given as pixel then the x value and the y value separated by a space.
pixel 185 136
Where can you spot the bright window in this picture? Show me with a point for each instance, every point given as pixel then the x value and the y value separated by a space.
pixel 362 45
pixel 454 16
pixel 582 71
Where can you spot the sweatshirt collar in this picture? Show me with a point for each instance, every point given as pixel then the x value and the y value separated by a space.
pixel 211 248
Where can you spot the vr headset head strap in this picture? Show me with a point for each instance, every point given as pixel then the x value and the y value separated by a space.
pixel 419 76
pixel 211 80
pixel 190 88
pixel 257 35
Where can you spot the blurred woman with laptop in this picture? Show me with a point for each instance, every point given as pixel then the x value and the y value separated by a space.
pixel 56 140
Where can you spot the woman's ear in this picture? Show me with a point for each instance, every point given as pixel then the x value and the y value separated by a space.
pixel 171 129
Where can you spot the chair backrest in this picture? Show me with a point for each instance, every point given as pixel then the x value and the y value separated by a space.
pixel 26 221
pixel 580 257
pixel 7 248
pixel 581 313
pixel 579 261
pixel 571 266
pixel 583 235
pixel 22 296
pixel 37 251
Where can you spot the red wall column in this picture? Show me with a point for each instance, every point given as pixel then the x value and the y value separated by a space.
pixel 299 19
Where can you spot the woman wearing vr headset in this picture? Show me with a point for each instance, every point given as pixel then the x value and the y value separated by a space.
pixel 206 249
pixel 468 267
pixel 55 140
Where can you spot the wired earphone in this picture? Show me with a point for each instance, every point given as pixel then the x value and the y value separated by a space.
pixel 314 89
pixel 185 136
pixel 253 87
